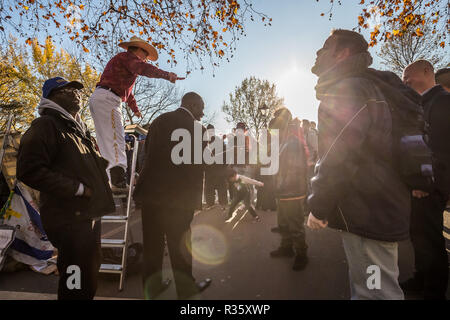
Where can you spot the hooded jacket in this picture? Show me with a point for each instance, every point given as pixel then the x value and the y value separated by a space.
pixel 356 187
pixel 291 179
pixel 56 154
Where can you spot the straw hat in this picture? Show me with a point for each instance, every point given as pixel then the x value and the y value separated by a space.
pixel 138 42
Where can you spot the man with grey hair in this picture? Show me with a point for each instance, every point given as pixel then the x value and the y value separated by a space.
pixel 431 276
pixel 442 77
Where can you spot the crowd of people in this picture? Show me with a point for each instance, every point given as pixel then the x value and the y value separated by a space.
pixel 354 172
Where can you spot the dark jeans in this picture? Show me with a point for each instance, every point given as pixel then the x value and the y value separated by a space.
pixel 213 183
pixel 237 198
pixel 291 222
pixel 78 244
pixel 175 224
pixel 429 245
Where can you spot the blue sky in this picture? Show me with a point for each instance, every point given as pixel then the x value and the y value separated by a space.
pixel 283 54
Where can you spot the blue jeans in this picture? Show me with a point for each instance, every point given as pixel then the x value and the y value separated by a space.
pixel 363 257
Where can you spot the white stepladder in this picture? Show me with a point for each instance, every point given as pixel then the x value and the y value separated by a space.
pixel 121 269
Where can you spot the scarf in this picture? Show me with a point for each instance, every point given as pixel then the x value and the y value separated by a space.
pixel 49 104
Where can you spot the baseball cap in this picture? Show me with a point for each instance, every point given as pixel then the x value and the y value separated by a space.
pixel 58 82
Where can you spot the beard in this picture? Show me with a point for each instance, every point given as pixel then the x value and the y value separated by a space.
pixel 73 107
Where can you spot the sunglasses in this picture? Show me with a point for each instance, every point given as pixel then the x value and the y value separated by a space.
pixel 68 90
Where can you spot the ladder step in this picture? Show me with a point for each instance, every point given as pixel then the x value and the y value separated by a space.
pixel 113 243
pixel 111 268
pixel 120 195
pixel 114 219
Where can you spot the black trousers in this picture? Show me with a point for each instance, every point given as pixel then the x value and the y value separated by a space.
pixel 213 183
pixel 429 245
pixel 78 245
pixel 237 198
pixel 175 225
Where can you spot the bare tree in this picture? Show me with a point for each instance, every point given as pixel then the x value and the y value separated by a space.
pixel 153 97
pixel 397 53
pixel 209 117
pixel 247 100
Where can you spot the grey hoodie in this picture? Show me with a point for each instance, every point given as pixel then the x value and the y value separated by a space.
pixel 49 104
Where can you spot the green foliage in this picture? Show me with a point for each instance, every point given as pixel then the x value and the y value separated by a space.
pixel 23 71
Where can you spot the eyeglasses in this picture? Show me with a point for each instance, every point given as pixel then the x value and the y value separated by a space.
pixel 69 90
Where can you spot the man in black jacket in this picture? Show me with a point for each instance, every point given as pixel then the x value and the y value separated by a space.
pixel 431 276
pixel 57 157
pixel 170 191
pixel 356 188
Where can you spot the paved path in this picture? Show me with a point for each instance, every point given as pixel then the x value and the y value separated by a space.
pixel 235 255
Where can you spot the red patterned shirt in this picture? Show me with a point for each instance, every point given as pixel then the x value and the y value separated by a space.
pixel 121 72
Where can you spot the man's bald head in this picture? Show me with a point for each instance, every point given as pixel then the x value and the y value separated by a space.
pixel 419 75
pixel 194 103
pixel 442 77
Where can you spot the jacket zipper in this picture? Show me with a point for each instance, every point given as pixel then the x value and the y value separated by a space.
pixel 343 218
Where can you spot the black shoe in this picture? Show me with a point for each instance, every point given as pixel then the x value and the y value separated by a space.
pixel 300 262
pixel 200 286
pixel 154 292
pixel 118 180
pixel 282 252
pixel 275 230
pixel 413 285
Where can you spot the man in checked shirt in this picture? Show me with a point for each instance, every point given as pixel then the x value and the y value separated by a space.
pixel 115 86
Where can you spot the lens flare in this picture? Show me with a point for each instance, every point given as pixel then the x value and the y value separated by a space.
pixel 208 245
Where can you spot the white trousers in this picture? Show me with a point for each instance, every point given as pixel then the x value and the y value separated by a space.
pixel 106 111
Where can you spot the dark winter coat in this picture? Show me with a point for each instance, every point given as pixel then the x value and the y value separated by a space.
pixel 291 179
pixel 355 186
pixel 55 156
pixel 436 104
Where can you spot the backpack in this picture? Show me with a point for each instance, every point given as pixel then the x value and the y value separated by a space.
pixel 412 156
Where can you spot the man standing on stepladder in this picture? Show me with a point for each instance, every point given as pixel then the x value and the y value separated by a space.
pixel 115 86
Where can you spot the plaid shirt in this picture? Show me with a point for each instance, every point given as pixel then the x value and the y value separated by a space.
pixel 121 72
